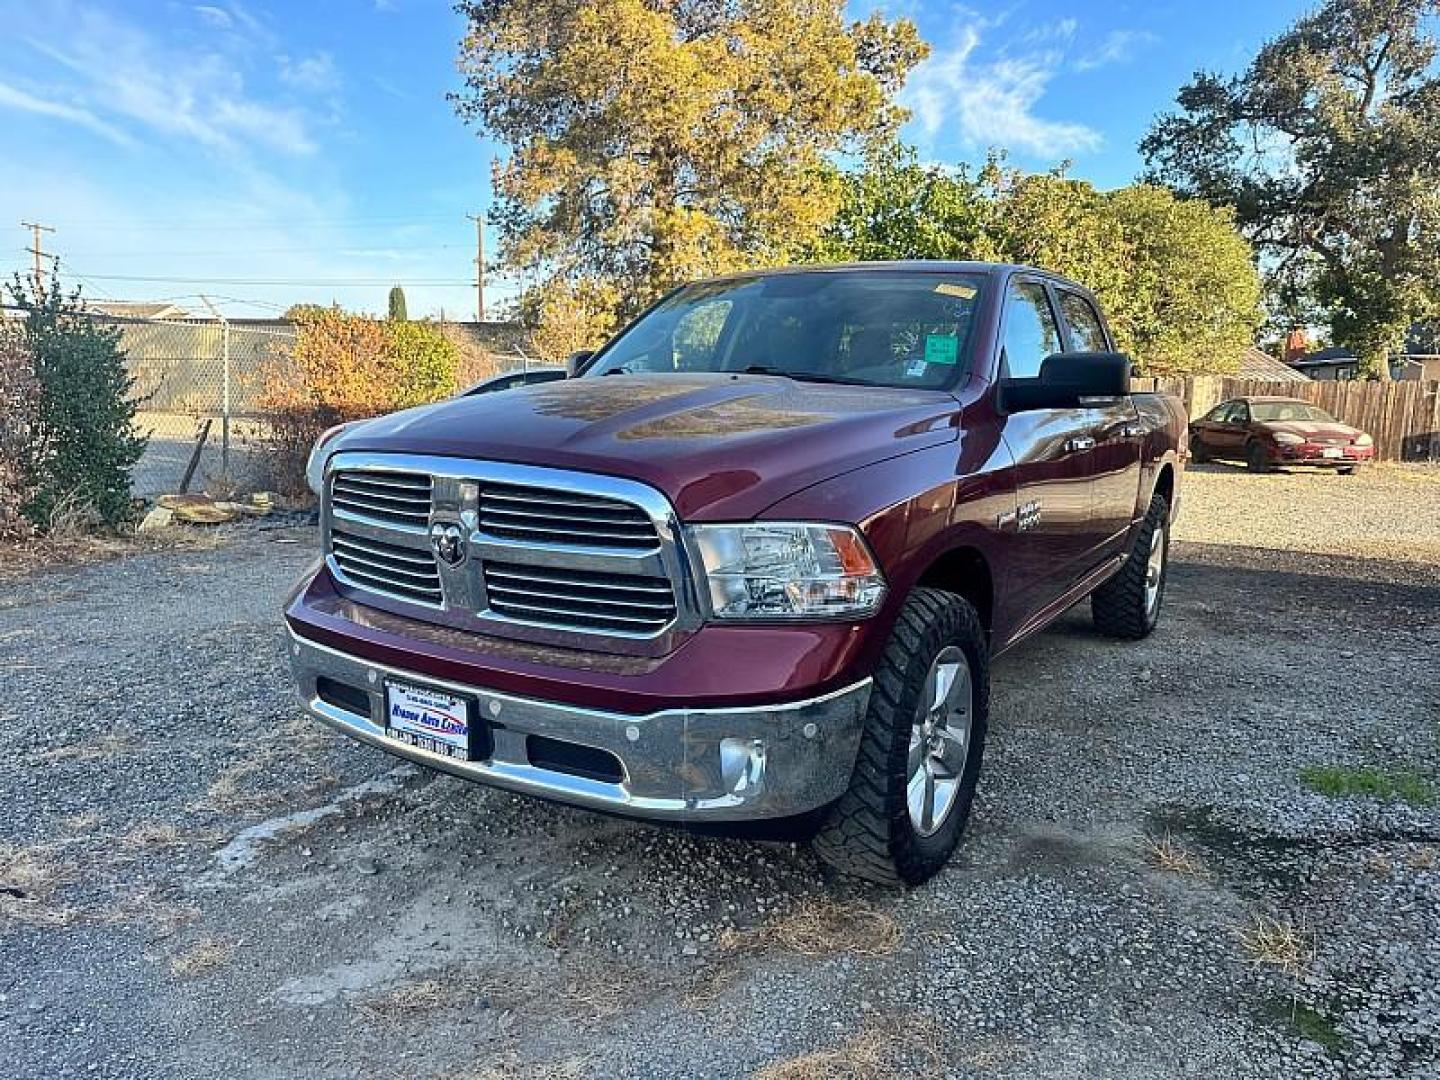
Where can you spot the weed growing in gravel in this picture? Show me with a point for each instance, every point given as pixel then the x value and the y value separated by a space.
pixel 1277 943
pixel 205 956
pixel 1171 856
pixel 822 928
pixel 1339 781
pixel 879 1052
pixel 29 879
pixel 103 748
pixel 1308 1023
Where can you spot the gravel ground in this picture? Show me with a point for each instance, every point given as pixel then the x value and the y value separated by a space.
pixel 195 881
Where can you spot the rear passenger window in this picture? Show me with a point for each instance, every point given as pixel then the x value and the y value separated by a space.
pixel 1086 334
pixel 1030 330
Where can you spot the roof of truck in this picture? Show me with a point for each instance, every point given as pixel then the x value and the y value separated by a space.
pixel 929 266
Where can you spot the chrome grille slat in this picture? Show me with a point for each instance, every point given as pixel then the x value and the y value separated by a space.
pixel 548 516
pixel 582 598
pixel 410 556
pixel 402 498
pixel 401 571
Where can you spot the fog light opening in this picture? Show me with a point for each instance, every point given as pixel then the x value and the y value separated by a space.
pixel 742 764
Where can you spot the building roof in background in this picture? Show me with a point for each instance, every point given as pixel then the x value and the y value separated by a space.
pixel 1256 364
pixel 138 309
pixel 1334 354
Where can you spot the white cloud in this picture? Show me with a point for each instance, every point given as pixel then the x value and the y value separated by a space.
pixel 992 103
pixel 312 74
pixel 14 98
pixel 217 17
pixel 121 72
pixel 1117 47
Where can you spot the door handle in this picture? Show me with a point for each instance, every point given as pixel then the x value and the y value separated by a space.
pixel 1078 443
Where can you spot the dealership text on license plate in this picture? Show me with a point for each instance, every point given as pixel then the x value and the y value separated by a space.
pixel 430 719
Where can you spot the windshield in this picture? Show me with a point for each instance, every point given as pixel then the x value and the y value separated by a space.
pixel 870 329
pixel 1289 410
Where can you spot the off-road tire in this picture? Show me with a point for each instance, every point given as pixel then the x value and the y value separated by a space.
pixel 1256 460
pixel 1119 607
pixel 868 832
pixel 1198 453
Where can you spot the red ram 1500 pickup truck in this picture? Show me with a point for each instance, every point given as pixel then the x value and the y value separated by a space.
pixel 754 560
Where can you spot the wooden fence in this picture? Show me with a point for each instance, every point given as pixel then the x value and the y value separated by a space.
pixel 1402 417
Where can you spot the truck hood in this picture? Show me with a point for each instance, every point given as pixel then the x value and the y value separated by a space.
pixel 720 446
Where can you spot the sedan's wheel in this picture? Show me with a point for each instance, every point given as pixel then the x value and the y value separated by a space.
pixel 1128 605
pixel 1198 453
pixel 1346 470
pixel 1256 459
pixel 919 762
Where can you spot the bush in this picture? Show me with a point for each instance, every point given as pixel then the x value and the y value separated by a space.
pixel 83 440
pixel 19 413
pixel 346 367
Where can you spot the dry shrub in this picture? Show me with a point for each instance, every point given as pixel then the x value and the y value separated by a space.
pixel 1171 856
pixel 822 928
pixel 908 1047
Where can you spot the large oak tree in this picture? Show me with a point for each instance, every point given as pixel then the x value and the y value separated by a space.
pixel 653 141
pixel 1326 147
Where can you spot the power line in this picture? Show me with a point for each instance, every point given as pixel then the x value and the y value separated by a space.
pixel 279 281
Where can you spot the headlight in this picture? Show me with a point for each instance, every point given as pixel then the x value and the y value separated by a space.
pixel 797 570
pixel 315 466
pixel 1364 440
pixel 1284 438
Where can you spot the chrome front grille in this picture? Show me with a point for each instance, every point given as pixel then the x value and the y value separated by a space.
pixel 625 603
pixel 548 555
pixel 548 516
pixel 398 497
pixel 372 563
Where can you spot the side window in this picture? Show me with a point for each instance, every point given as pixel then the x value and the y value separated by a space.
pixel 1086 334
pixel 1030 331
pixel 1221 413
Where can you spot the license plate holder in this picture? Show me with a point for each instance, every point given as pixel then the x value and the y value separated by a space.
pixel 440 721
pixel 1332 452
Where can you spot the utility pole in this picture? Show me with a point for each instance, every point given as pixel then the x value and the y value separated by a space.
pixel 36 250
pixel 479 220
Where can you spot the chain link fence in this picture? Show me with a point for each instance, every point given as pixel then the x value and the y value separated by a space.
pixel 198 384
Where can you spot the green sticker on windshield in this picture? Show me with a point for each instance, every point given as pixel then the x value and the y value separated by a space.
pixel 941 348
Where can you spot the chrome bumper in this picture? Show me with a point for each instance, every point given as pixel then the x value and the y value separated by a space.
pixel 678 764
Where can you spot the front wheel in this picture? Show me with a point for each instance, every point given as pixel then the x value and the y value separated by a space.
pixel 1256 458
pixel 919 762
pixel 1128 605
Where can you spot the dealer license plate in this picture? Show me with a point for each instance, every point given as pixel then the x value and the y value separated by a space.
pixel 1332 452
pixel 433 720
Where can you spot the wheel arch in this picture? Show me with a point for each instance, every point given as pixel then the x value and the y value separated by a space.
pixel 964 571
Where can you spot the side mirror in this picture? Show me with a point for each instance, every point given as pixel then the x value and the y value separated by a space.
pixel 1066 379
pixel 575 362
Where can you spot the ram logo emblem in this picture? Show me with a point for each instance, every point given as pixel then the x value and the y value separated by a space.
pixel 448 542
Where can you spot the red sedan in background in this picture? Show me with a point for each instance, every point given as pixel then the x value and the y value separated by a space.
pixel 1267 431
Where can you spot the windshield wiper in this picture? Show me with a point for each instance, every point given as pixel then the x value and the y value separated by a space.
pixel 801 376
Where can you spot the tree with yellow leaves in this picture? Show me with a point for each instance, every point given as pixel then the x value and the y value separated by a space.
pixel 656 141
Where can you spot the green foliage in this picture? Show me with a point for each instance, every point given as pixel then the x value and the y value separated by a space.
pixel 397 304
pixel 19 421
pixel 1177 281
pixel 84 441
pixel 1339 781
pixel 425 362
pixel 1325 147
pixel 654 142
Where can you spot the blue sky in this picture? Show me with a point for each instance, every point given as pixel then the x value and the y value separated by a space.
pixel 264 152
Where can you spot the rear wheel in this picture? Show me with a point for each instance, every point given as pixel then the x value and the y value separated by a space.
pixel 1128 605
pixel 919 763
pixel 1256 458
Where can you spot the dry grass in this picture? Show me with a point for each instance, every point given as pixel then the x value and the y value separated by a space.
pixel 82 823
pixel 152 836
pixel 908 1047
pixel 75 545
pixel 822 927
pixel 1277 943
pixel 30 878
pixel 202 958
pixel 1423 859
pixel 576 1067
pixel 110 745
pixel 1165 853
pixel 446 989
pixel 596 993
pixel 235 789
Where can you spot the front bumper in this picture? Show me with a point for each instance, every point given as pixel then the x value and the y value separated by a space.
pixel 1311 454
pixel 714 764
